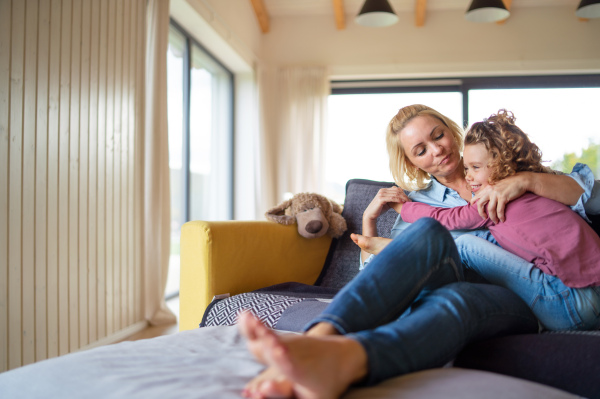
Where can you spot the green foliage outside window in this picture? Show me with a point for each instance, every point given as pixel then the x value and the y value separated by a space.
pixel 589 156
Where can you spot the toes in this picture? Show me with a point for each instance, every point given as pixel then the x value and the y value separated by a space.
pixel 247 325
pixel 275 389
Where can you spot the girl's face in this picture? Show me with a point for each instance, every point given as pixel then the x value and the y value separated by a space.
pixel 476 159
pixel 430 146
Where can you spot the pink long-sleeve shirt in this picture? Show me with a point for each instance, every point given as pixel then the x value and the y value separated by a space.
pixel 539 230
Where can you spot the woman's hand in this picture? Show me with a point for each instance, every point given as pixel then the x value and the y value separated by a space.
pixel 492 199
pixel 370 242
pixel 385 198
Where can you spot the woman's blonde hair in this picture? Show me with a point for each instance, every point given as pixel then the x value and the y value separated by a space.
pixel 405 174
pixel 509 147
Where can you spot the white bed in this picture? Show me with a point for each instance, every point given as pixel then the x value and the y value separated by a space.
pixel 213 362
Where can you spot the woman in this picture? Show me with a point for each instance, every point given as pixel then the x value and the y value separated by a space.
pixel 408 310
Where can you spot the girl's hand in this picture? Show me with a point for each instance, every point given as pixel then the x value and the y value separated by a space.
pixel 492 199
pixel 385 198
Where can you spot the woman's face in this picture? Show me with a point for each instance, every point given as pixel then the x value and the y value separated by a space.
pixel 430 146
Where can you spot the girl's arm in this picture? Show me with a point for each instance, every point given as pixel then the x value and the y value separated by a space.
pixel 457 218
pixel 492 200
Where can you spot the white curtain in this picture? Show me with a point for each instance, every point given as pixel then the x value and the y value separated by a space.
pixel 293 124
pixel 157 204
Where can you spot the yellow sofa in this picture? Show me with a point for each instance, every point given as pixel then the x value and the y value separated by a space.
pixel 233 257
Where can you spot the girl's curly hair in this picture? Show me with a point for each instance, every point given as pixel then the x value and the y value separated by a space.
pixel 509 147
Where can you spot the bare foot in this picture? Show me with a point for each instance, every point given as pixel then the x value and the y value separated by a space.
pixel 271 382
pixel 372 245
pixel 316 367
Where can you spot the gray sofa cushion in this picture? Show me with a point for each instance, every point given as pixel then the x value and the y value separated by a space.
pixel 297 316
pixel 567 360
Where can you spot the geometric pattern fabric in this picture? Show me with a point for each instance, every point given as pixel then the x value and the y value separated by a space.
pixel 268 308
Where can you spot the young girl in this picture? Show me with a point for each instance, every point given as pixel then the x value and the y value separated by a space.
pixel 543 232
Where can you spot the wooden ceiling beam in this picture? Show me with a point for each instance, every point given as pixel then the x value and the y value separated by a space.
pixel 340 16
pixel 420 11
pixel 507 4
pixel 261 14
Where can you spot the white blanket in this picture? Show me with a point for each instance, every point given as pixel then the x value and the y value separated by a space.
pixel 213 362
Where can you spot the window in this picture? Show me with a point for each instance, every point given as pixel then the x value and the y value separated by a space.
pixel 200 113
pixel 557 112
pixel 559 121
pixel 355 145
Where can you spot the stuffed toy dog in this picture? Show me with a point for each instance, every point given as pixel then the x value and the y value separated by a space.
pixel 315 215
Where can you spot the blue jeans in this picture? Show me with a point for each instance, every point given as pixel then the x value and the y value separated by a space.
pixel 410 310
pixel 556 306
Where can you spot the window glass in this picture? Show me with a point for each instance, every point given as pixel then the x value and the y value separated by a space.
pixel 200 149
pixel 210 139
pixel 175 70
pixel 560 121
pixel 355 145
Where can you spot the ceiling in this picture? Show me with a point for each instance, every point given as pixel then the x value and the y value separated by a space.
pixel 278 8
pixel 341 10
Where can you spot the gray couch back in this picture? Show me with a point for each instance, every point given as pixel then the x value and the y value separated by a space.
pixel 343 259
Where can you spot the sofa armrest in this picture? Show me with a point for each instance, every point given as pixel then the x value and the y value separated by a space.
pixel 240 256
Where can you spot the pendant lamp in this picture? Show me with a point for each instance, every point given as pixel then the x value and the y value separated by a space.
pixel 487 11
pixel 588 9
pixel 376 13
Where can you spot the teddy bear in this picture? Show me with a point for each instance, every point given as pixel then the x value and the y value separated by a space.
pixel 315 214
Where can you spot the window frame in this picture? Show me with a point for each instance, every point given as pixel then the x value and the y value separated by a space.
pixel 463 85
pixel 190 41
pixel 185 159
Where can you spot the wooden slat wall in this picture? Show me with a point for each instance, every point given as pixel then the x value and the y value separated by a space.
pixel 71 100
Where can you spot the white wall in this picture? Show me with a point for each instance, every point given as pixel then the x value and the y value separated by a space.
pixel 71 110
pixel 220 27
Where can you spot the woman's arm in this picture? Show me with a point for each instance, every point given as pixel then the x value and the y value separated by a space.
pixel 378 205
pixel 492 200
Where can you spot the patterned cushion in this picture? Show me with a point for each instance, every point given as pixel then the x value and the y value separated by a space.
pixel 268 308
pixel 269 304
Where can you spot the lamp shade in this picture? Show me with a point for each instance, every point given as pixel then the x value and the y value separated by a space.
pixel 487 11
pixel 376 13
pixel 588 9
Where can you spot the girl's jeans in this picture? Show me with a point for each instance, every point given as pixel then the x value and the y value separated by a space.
pixel 556 306
pixel 410 310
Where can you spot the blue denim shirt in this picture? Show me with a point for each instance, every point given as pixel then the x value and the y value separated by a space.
pixel 589 202
pixel 436 194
